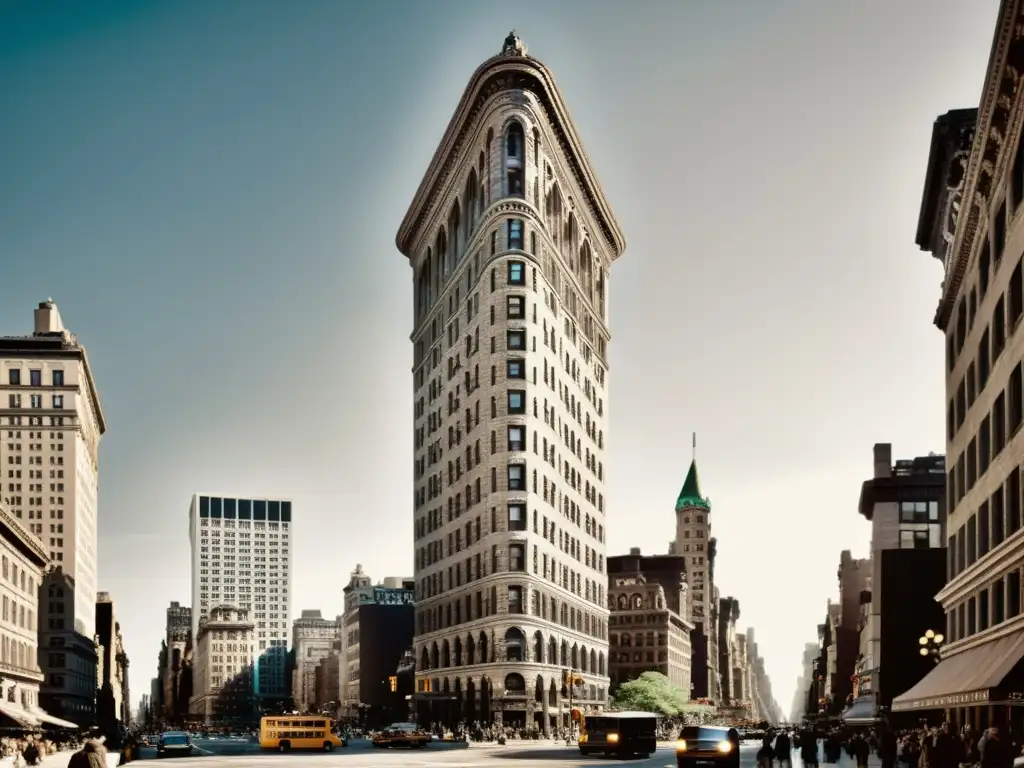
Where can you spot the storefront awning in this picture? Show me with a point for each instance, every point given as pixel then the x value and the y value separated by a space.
pixel 863 711
pixel 966 678
pixel 18 714
pixel 47 719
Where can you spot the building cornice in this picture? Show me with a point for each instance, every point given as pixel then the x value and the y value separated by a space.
pixel 22 540
pixel 48 347
pixel 977 575
pixel 999 119
pixel 496 75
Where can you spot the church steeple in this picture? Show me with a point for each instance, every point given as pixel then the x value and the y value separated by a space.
pixel 690 495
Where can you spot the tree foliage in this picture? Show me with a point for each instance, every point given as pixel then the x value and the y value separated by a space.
pixel 651 692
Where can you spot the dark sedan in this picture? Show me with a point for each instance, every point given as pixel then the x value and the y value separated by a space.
pixel 174 743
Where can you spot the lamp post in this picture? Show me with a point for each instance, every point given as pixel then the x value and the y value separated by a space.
pixel 931 644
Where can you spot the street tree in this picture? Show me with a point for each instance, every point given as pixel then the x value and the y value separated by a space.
pixel 651 692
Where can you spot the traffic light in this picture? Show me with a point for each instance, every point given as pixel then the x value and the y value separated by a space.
pixel 393 683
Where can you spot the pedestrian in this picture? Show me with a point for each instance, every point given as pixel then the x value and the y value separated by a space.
pixel 766 755
pixel 809 748
pixel 996 751
pixel 91 755
pixel 783 750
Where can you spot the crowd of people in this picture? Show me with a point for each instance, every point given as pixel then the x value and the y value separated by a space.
pixel 925 747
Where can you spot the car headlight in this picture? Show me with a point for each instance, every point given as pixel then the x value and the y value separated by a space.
pixel 583 738
pixel 725 746
pixel 613 738
pixel 681 745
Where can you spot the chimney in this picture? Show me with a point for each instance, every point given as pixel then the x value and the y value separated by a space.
pixel 634 551
pixel 883 459
pixel 47 318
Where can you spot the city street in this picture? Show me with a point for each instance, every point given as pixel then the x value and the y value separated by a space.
pixel 515 755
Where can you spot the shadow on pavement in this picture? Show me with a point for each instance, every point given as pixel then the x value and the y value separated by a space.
pixel 552 754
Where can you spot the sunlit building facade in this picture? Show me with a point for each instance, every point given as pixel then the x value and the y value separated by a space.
pixel 511 240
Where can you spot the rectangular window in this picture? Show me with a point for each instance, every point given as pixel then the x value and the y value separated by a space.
pixel 1015 399
pixel 516 517
pixel 983 530
pixel 58 401
pixel 983 610
pixel 515 240
pixel 517 340
pixel 998 528
pixel 517 477
pixel 14 376
pixel 516 559
pixel 515 605
pixel 58 378
pixel 516 401
pixel 972 540
pixel 516 369
pixel 516 438
pixel 1013 596
pixel 998 602
pixel 1012 501
pixel 913 539
pixel 919 511
pixel 515 308
pixel 516 273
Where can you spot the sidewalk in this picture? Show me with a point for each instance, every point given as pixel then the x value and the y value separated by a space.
pixel 61 759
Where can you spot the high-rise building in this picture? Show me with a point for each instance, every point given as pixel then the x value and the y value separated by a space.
pixel 241 557
pixel 695 544
pixel 511 240
pixel 970 220
pixel 52 422
pixel 313 639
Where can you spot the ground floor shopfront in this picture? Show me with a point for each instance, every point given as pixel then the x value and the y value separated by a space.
pixel 980 687
pixel 542 707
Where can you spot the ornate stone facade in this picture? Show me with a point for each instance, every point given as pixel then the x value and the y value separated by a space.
pixel 510 240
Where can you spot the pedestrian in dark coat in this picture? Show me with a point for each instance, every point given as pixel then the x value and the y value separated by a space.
pixel 91 755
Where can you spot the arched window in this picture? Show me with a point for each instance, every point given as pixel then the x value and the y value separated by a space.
pixel 515 684
pixel 515 645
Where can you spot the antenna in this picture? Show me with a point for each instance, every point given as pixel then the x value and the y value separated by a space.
pixel 694 446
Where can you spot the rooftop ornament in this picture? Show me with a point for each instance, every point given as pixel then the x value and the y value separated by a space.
pixel 513 45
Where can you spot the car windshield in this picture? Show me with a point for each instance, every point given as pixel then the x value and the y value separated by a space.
pixel 696 733
pixel 175 738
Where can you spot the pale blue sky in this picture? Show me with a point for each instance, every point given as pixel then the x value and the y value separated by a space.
pixel 210 191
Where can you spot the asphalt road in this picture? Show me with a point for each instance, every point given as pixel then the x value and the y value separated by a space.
pixel 227 752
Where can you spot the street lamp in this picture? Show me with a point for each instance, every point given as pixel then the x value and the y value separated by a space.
pixel 931 644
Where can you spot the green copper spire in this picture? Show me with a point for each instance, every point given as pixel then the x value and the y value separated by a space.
pixel 690 496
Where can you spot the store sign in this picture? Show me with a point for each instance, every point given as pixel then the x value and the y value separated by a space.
pixel 386 596
pixel 942 702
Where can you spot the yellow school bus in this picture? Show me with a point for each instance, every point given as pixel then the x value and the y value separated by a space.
pixel 287 732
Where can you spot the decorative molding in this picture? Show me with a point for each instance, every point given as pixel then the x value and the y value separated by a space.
pixel 999 122
pixel 497 75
